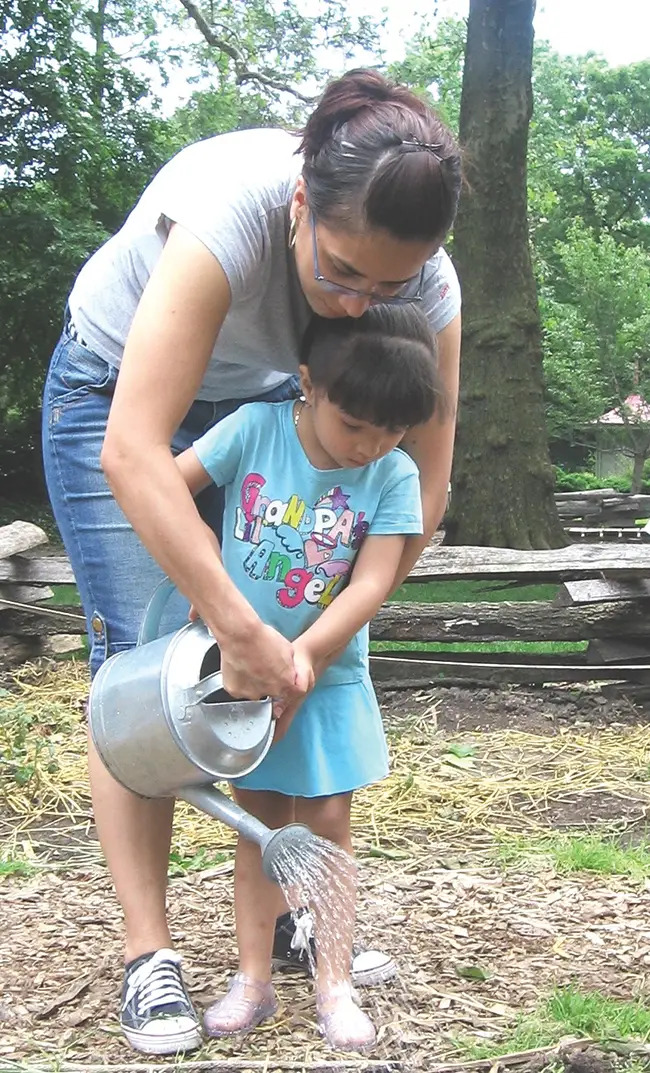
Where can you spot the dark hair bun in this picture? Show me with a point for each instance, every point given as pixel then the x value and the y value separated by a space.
pixel 377 156
pixel 345 98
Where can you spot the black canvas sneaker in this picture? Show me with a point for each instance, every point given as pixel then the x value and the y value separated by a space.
pixel 156 1014
pixel 294 949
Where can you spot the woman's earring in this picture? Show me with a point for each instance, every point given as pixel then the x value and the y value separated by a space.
pixel 292 233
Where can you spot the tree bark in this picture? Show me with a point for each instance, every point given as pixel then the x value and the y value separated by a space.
pixel 502 479
pixel 637 473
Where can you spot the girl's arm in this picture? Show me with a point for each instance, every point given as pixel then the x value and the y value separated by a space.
pixel 432 446
pixel 195 476
pixel 172 336
pixel 371 581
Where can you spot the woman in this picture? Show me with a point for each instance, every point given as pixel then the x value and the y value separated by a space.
pixel 201 301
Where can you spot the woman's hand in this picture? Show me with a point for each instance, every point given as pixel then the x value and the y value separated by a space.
pixel 258 662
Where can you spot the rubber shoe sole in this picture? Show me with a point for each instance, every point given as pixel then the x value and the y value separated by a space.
pixel 370 968
pixel 164 1040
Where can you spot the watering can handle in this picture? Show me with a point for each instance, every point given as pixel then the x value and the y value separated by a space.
pixel 154 611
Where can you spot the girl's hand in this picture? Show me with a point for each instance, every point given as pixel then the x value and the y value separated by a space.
pixel 284 709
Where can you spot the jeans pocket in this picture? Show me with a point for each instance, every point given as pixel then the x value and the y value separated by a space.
pixel 83 370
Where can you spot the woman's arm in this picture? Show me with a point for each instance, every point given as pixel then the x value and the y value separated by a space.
pixel 170 342
pixel 432 447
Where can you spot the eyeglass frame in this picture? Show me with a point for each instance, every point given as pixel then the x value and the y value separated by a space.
pixel 352 292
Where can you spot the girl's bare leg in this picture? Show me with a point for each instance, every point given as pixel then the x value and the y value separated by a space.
pixel 258 900
pixel 343 1024
pixel 257 903
pixel 329 817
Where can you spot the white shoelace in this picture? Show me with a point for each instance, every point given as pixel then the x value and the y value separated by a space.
pixel 303 934
pixel 156 982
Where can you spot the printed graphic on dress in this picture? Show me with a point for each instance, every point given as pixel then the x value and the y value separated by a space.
pixel 307 551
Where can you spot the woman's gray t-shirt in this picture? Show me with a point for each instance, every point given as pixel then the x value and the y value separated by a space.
pixel 233 193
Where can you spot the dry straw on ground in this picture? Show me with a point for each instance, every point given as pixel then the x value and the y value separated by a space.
pixel 432 892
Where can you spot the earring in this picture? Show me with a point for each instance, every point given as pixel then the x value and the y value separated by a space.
pixel 292 233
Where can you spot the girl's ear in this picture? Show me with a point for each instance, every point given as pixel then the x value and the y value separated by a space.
pixel 306 385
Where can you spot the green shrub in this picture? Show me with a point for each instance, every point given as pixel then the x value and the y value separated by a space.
pixel 582 481
pixel 585 481
pixel 620 484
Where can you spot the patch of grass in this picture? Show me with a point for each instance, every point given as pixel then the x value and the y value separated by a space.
pixel 528 1034
pixel 469 592
pixel 581 853
pixel 566 1012
pixel 17 867
pixel 542 648
pixel 181 865
pixel 594 1014
pixel 63 596
pixel 28 742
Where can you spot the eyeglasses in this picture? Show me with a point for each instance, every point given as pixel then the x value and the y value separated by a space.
pixel 410 291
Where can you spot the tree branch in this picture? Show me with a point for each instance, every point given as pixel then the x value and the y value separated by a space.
pixel 242 72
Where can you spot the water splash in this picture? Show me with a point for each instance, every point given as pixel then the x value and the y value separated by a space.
pixel 317 875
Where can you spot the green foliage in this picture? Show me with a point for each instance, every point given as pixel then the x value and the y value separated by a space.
pixel 82 135
pixel 589 214
pixel 588 158
pixel 582 481
pixel 433 65
pixel 81 139
pixel 598 339
pixel 201 861
pixel 16 866
pixel 273 50
pixel 26 754
pixel 567 853
pixel 567 1011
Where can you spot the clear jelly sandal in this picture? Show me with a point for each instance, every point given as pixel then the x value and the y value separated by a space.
pixel 342 1023
pixel 245 1005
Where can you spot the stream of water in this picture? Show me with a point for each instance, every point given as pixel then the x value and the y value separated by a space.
pixel 316 875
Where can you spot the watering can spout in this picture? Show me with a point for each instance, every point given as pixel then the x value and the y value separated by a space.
pixel 274 844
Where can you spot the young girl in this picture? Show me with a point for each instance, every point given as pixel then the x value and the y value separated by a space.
pixel 319 501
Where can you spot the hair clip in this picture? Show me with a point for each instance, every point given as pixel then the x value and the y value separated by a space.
pixel 348 145
pixel 415 145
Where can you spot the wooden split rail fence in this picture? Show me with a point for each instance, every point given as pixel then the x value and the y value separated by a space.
pixel 603 515
pixel 603 598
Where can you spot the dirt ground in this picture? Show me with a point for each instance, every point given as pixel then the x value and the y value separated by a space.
pixel 433 892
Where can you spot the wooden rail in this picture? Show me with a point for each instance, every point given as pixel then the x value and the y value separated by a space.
pixel 603 598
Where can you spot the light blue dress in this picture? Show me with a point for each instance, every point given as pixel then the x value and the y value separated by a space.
pixel 291 533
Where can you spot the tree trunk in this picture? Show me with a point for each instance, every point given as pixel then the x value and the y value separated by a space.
pixel 637 473
pixel 99 33
pixel 502 480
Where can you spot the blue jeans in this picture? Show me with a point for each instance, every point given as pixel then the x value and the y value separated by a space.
pixel 114 572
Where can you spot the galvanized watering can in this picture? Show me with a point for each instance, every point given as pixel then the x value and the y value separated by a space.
pixel 164 726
